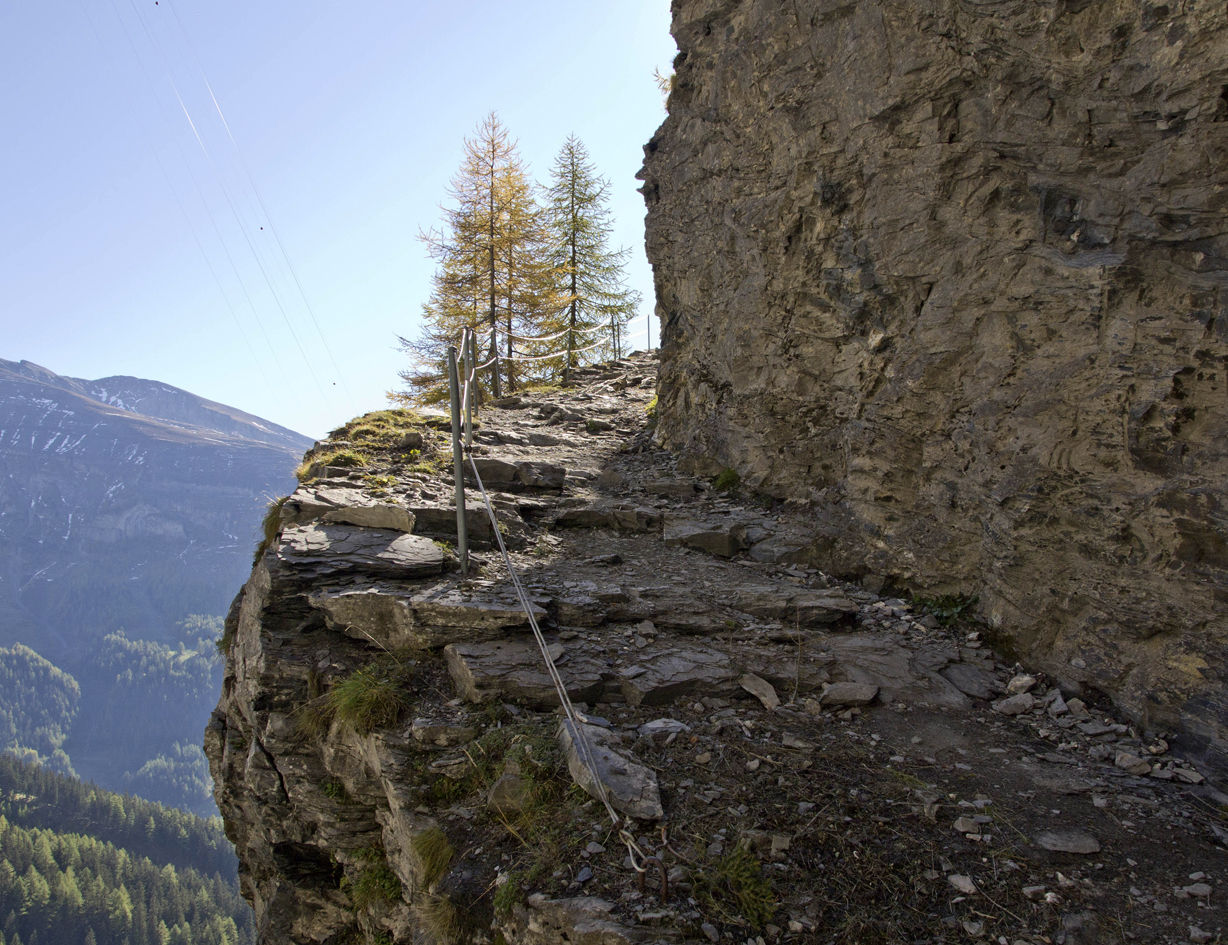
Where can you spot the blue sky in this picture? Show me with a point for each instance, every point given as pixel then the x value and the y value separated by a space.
pixel 127 248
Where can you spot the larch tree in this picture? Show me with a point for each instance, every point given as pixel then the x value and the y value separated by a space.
pixel 490 273
pixel 594 302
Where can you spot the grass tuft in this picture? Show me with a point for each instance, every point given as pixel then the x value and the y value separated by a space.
pixel 948 608
pixel 439 919
pixel 347 458
pixel 375 881
pixel 651 409
pixel 434 853
pixel 365 700
pixel 269 527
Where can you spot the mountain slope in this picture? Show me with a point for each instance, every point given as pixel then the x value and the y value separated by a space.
pixel 126 505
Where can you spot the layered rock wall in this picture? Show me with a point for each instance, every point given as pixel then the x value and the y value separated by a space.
pixel 956 271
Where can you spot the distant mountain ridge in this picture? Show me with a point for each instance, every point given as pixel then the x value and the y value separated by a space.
pixel 126 505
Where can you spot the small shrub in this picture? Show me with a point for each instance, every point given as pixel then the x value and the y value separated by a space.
pixel 948 608
pixel 508 895
pixel 735 888
pixel 727 480
pixel 269 527
pixel 651 409
pixel 434 852
pixel 365 700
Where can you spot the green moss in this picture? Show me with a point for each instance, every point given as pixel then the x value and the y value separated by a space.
pixel 651 409
pixel 335 790
pixel 727 480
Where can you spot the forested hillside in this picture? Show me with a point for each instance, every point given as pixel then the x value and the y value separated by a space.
pixel 148 700
pixel 82 865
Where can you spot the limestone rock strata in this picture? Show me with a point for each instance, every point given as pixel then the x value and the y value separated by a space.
pixel 956 273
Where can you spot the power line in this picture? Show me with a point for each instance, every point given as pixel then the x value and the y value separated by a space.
pixel 259 197
pixel 196 183
pixel 230 201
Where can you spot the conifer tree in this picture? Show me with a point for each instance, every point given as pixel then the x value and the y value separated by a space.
pixel 489 263
pixel 596 304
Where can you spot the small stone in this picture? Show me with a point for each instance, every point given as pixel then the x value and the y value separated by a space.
pixel 752 765
pixel 1033 892
pixel 931 875
pixel 716 848
pixel 795 926
pixel 1201 890
pixel 1068 841
pixel 761 689
pixel 967 825
pixel 1188 775
pixel 594 848
pixel 1199 936
pixel 1132 763
pixel 1020 684
pixel 780 842
pixel 1197 876
pixel 1078 708
pixel 974 928
pixel 789 740
pixel 805 807
pixel 584 875
pixel 703 758
pixel 1015 705
pixel 963 883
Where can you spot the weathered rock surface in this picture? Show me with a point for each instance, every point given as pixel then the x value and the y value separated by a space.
pixel 956 273
pixel 318 550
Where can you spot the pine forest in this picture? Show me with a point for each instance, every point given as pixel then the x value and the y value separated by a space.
pixel 84 866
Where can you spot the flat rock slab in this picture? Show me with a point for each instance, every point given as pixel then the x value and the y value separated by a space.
pixel 319 549
pixel 1068 841
pixel 849 694
pixel 793 606
pixel 513 669
pixel 345 504
pixel 665 678
pixel 899 673
pixel 717 536
pixel 971 681
pixel 393 616
pixel 631 788
pixel 513 476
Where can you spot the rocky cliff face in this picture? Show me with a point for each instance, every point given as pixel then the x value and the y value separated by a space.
pixel 956 272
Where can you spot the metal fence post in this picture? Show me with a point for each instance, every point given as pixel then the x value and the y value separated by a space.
pixel 471 374
pixel 458 463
